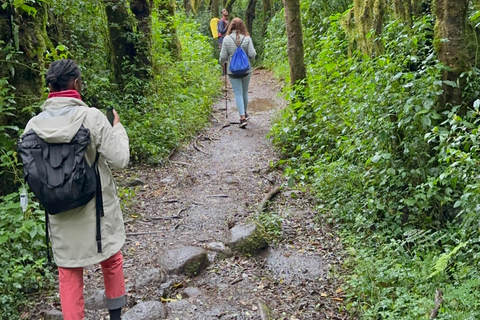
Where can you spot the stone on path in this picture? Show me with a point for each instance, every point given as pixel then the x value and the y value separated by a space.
pixel 248 238
pixel 192 292
pixel 149 310
pixel 96 301
pixel 53 315
pixel 219 247
pixel 153 276
pixel 184 260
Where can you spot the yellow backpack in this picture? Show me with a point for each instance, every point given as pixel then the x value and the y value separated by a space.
pixel 213 27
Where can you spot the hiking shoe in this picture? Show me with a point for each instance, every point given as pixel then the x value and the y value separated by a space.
pixel 243 123
pixel 247 117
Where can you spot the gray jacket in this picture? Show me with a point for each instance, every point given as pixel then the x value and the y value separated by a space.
pixel 229 47
pixel 72 233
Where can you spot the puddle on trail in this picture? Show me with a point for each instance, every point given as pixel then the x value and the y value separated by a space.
pixel 259 105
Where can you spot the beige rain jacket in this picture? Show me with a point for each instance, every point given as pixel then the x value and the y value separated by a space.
pixel 72 233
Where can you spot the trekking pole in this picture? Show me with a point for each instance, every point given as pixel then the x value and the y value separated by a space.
pixel 226 114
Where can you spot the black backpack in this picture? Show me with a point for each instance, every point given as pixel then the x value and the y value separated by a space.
pixel 59 175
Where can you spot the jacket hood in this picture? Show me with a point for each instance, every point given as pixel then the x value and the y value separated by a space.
pixel 60 120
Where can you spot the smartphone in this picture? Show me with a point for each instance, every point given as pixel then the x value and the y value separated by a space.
pixel 110 115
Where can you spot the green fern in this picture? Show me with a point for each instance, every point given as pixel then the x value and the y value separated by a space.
pixel 442 262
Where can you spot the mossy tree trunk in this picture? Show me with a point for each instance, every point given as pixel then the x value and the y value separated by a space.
pixel 295 49
pixel 450 45
pixel 403 10
pixel 229 5
pixel 129 27
pixel 214 8
pixel 24 33
pixel 369 16
pixel 267 14
pixel 417 7
pixel 23 46
pixel 250 15
pixel 166 13
pixel 121 30
pixel 142 9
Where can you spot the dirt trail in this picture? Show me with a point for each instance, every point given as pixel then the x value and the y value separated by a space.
pixel 208 186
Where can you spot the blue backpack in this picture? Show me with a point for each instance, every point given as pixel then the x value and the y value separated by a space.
pixel 239 64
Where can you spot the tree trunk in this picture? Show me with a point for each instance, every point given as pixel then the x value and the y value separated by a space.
pixel 229 5
pixel 28 34
pixel 451 18
pixel 267 14
pixel 187 6
pixel 166 12
pixel 403 10
pixel 250 15
pixel 121 32
pixel 214 8
pixel 142 10
pixel 23 42
pixel 293 24
pixel 369 16
pixel 416 7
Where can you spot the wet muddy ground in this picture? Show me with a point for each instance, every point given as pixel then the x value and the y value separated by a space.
pixel 206 187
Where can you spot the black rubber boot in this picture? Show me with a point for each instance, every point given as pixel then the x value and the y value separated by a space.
pixel 115 314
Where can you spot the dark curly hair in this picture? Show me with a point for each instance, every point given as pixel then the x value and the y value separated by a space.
pixel 61 73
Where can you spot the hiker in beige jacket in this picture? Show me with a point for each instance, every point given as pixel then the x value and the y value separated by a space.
pixel 73 232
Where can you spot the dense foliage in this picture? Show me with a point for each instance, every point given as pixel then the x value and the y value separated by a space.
pixel 399 179
pixel 158 115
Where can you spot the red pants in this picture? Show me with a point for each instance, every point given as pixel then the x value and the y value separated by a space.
pixel 71 287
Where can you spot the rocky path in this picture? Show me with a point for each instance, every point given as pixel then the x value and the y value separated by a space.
pixel 186 217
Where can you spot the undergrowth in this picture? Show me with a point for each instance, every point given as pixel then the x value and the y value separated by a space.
pixel 398 179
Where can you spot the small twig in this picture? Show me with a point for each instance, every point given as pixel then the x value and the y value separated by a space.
pixel 234 122
pixel 199 149
pixel 163 218
pixel 267 198
pixel 438 302
pixel 170 201
pixel 180 211
pixel 263 310
pixel 197 203
pixel 181 163
pixel 236 281
pixel 142 233
pixel 215 118
pixel 127 221
pixel 218 196
pixel 224 126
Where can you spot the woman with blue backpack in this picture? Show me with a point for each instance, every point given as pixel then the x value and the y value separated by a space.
pixel 237 49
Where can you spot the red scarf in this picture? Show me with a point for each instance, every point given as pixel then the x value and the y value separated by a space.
pixel 65 94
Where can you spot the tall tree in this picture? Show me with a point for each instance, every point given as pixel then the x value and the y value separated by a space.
pixel 293 24
pixel 267 14
pixel 214 8
pixel 142 10
pixel 166 13
pixel 403 10
pixel 130 38
pixel 369 15
pixel 23 29
pixel 450 44
pixel 250 15
pixel 23 44
pixel 121 30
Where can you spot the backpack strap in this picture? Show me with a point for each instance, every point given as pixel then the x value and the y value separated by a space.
pixel 238 45
pixel 98 205
pixel 49 259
